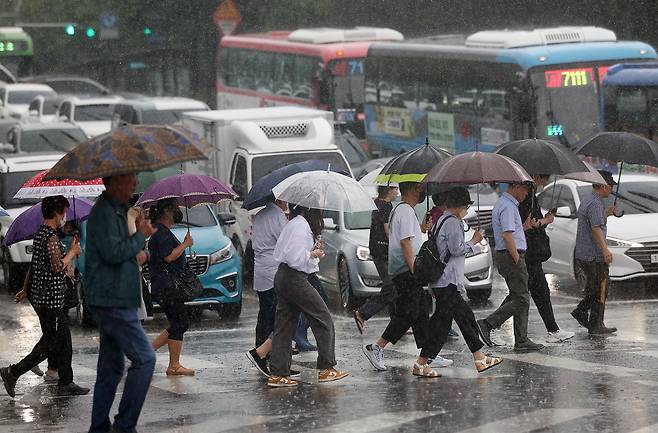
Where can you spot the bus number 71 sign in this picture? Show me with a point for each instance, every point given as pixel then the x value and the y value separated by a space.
pixel 227 17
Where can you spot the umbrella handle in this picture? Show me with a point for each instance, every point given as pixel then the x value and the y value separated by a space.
pixel 621 168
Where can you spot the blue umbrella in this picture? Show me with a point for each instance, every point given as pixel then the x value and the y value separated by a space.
pixel 262 190
pixel 27 224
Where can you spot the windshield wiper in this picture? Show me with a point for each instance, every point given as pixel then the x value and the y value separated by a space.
pixel 551 116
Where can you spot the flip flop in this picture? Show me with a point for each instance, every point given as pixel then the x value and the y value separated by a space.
pixel 359 322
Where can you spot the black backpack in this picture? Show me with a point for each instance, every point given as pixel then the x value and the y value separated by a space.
pixel 428 267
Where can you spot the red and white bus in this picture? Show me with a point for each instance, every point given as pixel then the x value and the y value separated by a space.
pixel 322 68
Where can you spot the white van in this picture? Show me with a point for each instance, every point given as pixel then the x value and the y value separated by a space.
pixel 251 143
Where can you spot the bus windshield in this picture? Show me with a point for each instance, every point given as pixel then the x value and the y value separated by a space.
pixel 568 102
pixel 632 109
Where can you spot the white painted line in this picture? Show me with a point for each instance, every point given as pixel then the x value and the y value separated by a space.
pixel 383 421
pixel 574 364
pixel 187 361
pixel 227 423
pixel 81 371
pixel 184 385
pixel 651 353
pixel 648 429
pixel 541 419
pixel 652 383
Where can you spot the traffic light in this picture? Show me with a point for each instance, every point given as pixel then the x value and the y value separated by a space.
pixel 147 31
pixel 70 30
pixel 91 32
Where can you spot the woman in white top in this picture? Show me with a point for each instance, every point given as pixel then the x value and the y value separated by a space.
pixel 299 254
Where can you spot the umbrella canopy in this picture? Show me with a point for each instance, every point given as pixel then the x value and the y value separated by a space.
pixel 36 187
pixel 477 167
pixel 621 146
pixel 262 189
pixel 412 166
pixel 189 190
pixel 130 149
pixel 3 213
pixel 542 156
pixel 26 224
pixel 324 190
pixel 591 175
pixel 369 182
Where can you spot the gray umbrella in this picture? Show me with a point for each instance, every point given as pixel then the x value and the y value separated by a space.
pixel 542 156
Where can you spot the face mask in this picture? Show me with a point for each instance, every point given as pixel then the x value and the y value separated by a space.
pixel 178 216
pixel 62 222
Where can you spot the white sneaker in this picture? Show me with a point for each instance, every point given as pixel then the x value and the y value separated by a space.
pixel 559 336
pixel 375 355
pixel 440 361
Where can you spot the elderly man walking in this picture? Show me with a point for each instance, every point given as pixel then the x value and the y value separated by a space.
pixel 511 246
pixel 113 294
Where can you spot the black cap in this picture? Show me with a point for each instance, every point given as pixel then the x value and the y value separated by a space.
pixel 458 196
pixel 607 176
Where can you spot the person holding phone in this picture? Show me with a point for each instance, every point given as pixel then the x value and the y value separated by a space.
pixel 539 250
pixel 46 291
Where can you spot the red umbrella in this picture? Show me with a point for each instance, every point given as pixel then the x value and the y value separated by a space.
pixel 37 188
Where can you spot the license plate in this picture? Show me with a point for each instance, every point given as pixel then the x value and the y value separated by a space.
pixel 654 258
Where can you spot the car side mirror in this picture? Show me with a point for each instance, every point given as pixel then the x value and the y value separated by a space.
pixel 329 224
pixel 564 212
pixel 226 218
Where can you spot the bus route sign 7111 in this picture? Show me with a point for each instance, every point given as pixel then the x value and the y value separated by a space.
pixel 227 17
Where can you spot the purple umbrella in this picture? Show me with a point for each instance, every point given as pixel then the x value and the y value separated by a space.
pixel 27 224
pixel 189 190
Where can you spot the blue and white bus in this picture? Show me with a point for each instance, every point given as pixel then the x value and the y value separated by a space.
pixel 491 87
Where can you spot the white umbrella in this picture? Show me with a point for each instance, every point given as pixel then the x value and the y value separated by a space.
pixel 325 190
pixel 590 176
pixel 369 182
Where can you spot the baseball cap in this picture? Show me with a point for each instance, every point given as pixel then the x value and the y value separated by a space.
pixel 607 176
pixel 458 196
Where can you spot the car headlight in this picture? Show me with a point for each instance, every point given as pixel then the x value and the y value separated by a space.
pixel 620 243
pixel 222 255
pixel 363 253
pixel 484 249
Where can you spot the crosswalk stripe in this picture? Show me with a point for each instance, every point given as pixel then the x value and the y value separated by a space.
pixel 648 429
pixel 574 364
pixel 184 385
pixel 187 361
pixel 541 419
pixel 227 423
pixel 378 422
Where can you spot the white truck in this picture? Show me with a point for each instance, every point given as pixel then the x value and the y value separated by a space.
pixel 251 143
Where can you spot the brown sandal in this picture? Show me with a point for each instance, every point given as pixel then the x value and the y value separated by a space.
pixel 486 363
pixel 180 371
pixel 425 370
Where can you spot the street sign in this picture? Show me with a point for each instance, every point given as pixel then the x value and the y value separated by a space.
pixel 109 24
pixel 227 17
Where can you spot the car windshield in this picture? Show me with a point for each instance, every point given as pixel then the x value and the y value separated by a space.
pixel 161 117
pixel 358 220
pixel 633 198
pixel 91 113
pixel 263 165
pixel 51 140
pixel 21 97
pixel 488 196
pixel 10 183
pixel 199 216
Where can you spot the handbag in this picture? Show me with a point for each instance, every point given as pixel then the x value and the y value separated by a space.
pixel 185 285
pixel 71 291
pixel 428 266
pixel 539 246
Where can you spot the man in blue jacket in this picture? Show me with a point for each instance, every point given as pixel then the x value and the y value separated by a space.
pixel 112 292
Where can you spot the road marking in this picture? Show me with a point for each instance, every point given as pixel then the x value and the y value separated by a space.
pixel 378 422
pixel 541 419
pixel 184 385
pixel 227 423
pixel 574 364
pixel 652 383
pixel 187 361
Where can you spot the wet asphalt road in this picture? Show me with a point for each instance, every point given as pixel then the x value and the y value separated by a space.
pixel 589 384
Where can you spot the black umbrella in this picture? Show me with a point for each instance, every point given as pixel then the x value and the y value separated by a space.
pixel 623 147
pixel 542 157
pixel 412 166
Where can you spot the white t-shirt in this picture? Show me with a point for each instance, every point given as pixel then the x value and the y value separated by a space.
pixel 294 246
pixel 266 229
pixel 403 225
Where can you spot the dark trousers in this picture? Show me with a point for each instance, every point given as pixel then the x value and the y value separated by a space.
pixel 410 309
pixel 596 290
pixel 266 315
pixel 55 343
pixel 296 295
pixel 516 303
pixel 386 296
pixel 541 294
pixel 450 305
pixel 122 336
pixel 179 321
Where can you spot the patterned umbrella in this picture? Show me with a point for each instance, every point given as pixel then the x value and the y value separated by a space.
pixel 130 149
pixel 36 187
pixel 189 190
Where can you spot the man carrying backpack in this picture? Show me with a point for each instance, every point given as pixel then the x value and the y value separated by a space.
pixel 448 234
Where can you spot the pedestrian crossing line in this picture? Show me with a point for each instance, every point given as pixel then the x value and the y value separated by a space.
pixel 652 383
pixel 227 423
pixel 648 429
pixel 383 421
pixel 574 364
pixel 187 361
pixel 539 420
pixel 651 353
pixel 453 372
pixel 184 385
